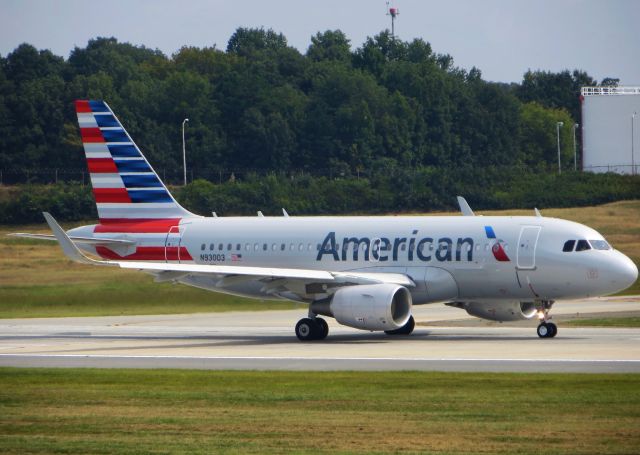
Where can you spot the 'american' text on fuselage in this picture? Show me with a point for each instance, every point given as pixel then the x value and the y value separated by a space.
pixel 378 248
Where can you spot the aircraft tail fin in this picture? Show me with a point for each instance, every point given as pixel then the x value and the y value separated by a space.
pixel 125 186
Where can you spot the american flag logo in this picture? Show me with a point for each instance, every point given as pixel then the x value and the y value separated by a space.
pixel 236 257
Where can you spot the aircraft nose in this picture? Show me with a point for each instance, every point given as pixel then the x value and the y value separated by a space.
pixel 626 271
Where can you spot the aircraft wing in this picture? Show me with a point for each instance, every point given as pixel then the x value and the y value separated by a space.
pixel 171 271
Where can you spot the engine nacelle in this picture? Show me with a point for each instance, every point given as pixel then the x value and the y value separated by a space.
pixel 371 307
pixel 499 310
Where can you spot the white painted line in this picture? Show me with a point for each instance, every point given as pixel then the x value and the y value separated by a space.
pixel 386 359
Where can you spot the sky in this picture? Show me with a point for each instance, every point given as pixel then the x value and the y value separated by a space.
pixel 503 38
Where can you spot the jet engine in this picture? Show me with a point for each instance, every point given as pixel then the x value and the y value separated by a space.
pixel 499 310
pixel 368 307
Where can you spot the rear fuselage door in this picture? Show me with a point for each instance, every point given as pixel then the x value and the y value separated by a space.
pixel 172 244
pixel 527 247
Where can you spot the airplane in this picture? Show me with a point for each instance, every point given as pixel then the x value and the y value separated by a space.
pixel 365 272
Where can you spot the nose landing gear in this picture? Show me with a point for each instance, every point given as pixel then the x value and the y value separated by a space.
pixel 546 329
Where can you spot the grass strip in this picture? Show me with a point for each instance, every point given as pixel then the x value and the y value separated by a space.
pixel 178 411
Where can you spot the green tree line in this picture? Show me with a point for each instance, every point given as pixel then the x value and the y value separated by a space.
pixel 263 105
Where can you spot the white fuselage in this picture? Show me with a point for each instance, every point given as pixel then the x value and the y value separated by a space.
pixel 450 258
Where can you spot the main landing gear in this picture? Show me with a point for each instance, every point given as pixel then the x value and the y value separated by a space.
pixel 546 329
pixel 309 329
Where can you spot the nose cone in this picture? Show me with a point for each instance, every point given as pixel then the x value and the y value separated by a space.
pixel 625 272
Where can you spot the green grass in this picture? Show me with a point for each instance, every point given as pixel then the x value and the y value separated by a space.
pixel 121 298
pixel 630 322
pixel 177 411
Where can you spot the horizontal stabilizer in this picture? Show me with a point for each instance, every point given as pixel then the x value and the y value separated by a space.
pixel 74 239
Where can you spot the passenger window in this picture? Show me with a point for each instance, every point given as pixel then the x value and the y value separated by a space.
pixel 211 247
pixel 256 246
pixel 301 247
pixel 238 247
pixel 203 247
pixel 282 247
pixel 264 247
pixel 229 247
pixel 318 247
pixel 220 246
pixel 568 246
pixel 247 246
pixel 583 245
pixel 274 247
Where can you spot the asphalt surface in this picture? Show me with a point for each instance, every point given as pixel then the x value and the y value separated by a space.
pixel 265 341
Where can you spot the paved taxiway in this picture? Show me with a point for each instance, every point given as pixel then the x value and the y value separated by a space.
pixel 265 340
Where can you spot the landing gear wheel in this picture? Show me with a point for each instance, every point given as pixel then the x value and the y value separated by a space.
pixel 547 330
pixel 306 329
pixel 543 330
pixel 323 328
pixel 405 329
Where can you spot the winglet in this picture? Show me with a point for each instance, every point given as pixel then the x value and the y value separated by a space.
pixel 68 247
pixel 464 207
pixel 538 214
pixel 260 214
pixel 284 213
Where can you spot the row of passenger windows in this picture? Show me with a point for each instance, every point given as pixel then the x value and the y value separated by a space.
pixel 257 247
pixel 308 247
pixel 583 245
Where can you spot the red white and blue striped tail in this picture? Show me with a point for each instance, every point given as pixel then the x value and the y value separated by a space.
pixel 125 186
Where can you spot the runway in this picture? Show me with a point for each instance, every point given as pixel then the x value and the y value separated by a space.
pixel 265 341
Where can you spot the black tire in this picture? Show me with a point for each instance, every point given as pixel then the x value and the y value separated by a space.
pixel 553 329
pixel 306 329
pixel 543 330
pixel 406 329
pixel 323 328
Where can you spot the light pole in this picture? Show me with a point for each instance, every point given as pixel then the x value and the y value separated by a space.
pixel 633 164
pixel 575 150
pixel 558 125
pixel 184 153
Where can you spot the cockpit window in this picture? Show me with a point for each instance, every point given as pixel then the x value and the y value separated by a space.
pixel 583 245
pixel 599 245
pixel 568 245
